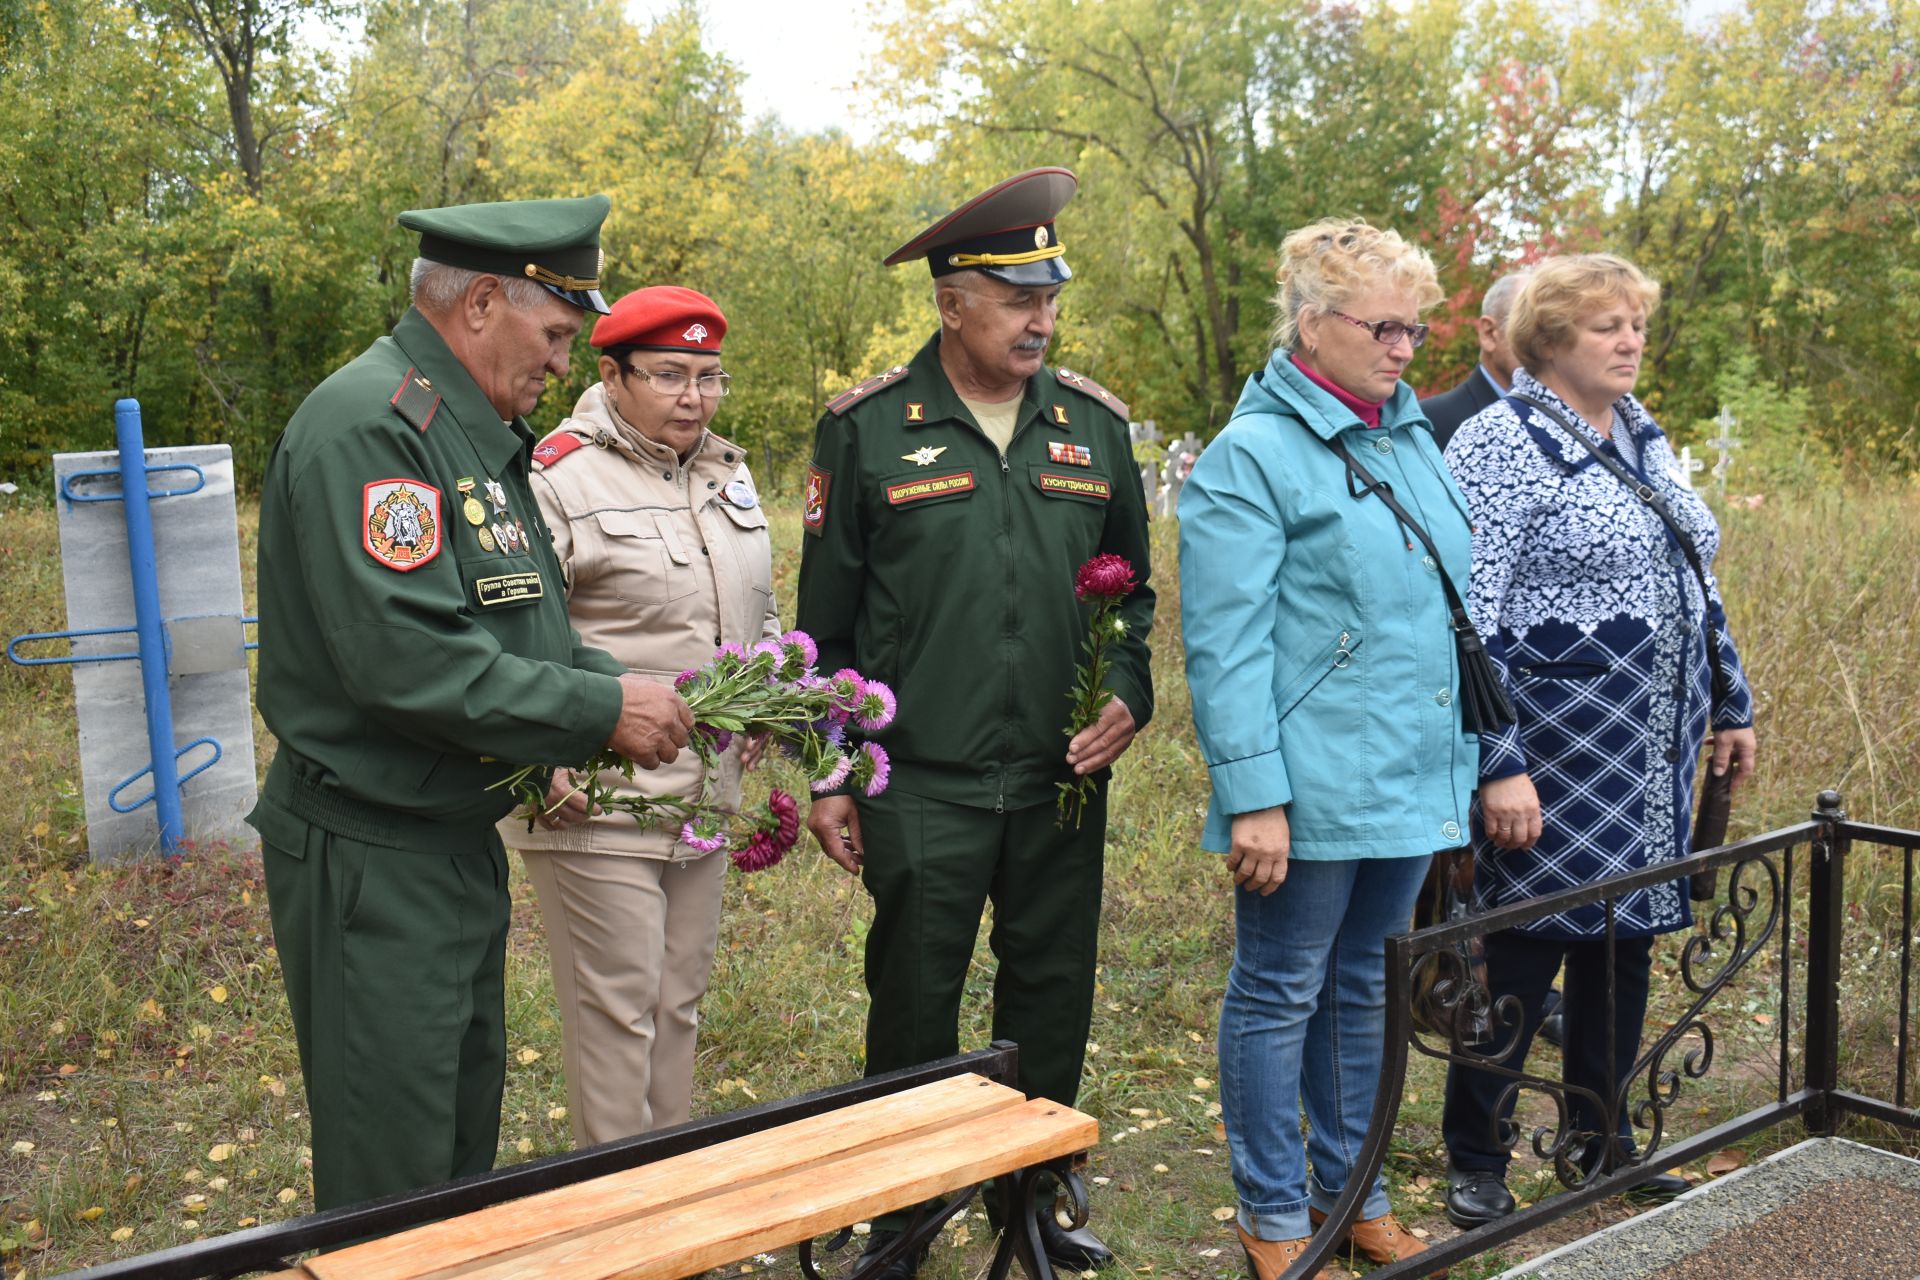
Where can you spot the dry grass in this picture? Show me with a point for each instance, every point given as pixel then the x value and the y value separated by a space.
pixel 147 1070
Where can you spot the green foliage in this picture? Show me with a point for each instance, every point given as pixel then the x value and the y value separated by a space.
pixel 199 204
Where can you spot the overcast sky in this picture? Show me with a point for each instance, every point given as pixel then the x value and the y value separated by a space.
pixel 801 57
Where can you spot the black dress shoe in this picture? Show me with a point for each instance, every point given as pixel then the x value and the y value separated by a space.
pixel 1554 1027
pixel 904 1267
pixel 1079 1250
pixel 1476 1198
pixel 1658 1189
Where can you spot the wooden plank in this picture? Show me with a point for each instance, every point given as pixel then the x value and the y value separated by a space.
pixel 799 1205
pixel 597 1202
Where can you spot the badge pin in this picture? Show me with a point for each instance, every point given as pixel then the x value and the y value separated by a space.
pixel 741 495
pixel 497 495
pixel 924 456
pixel 464 484
pixel 486 538
pixel 473 511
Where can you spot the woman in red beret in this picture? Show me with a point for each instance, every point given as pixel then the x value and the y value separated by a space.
pixel 664 545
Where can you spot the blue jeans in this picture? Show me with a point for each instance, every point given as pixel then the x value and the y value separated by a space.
pixel 1302 1023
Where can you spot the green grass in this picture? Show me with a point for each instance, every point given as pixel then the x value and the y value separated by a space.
pixel 148 1070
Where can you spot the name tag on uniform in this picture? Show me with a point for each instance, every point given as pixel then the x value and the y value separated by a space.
pixel 931 487
pixel 1078 486
pixel 509 588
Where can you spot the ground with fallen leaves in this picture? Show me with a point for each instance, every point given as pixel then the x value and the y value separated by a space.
pixel 150 1091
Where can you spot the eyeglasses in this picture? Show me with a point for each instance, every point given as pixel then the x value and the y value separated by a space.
pixel 674 384
pixel 1388 332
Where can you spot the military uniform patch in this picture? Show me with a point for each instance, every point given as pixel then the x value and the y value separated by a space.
pixel 814 513
pixel 1074 455
pixel 931 487
pixel 916 411
pixel 1076 486
pixel 1059 415
pixel 555 447
pixel 508 588
pixel 401 522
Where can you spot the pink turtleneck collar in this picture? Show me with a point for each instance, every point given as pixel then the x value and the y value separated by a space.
pixel 1368 411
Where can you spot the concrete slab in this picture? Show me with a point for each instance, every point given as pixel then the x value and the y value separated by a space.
pixel 196 545
pixel 1644 1246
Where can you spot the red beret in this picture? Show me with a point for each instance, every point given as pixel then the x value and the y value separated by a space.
pixel 664 317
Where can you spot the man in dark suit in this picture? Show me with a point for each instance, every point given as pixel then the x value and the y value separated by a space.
pixel 1490 381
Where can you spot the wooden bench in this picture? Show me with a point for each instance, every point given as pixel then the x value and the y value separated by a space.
pixel 665 1205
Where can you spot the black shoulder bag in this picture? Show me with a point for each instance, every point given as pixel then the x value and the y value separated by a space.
pixel 1716 797
pixel 1484 707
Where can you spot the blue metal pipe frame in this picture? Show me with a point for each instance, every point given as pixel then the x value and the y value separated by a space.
pixel 148 623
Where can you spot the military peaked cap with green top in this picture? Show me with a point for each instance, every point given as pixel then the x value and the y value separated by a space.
pixel 553 242
pixel 1005 231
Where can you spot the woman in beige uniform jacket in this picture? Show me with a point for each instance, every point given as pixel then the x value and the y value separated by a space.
pixel 664 546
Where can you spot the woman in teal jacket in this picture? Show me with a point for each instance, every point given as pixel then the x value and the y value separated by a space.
pixel 1325 683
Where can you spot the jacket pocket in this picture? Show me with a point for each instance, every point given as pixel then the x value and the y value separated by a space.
pixel 747 531
pixel 640 567
pixel 1338 653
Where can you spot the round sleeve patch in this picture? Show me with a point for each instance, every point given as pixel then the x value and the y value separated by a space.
pixel 401 528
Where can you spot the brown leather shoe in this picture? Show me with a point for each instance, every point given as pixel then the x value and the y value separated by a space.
pixel 1380 1240
pixel 1266 1259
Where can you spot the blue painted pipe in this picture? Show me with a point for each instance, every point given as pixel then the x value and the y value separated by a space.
pixel 147 623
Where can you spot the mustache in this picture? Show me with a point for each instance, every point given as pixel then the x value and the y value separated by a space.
pixel 1030 344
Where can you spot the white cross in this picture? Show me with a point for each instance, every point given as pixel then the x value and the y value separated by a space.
pixel 1726 442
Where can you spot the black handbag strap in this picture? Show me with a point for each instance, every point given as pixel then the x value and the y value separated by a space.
pixel 1384 492
pixel 1722 686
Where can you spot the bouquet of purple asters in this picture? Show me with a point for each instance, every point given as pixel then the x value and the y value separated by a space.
pixel 1105 580
pixel 768 688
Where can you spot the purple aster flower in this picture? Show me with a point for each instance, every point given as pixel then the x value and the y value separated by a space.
pixel 877 707
pixel 685 678
pixel 842 766
pixel 702 834
pixel 803 642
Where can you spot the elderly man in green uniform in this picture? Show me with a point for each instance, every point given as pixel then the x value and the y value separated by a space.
pixel 949 503
pixel 415 649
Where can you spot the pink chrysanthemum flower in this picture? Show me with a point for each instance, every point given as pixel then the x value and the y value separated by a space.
pixel 685 678
pixel 720 738
pixel 842 766
pixel 879 769
pixel 730 651
pixel 877 707
pixel 702 834
pixel 1105 576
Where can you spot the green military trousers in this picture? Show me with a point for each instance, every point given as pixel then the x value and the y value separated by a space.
pixel 395 968
pixel 931 867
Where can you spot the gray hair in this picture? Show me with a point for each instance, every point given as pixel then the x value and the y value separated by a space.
pixel 966 282
pixel 437 286
pixel 1501 293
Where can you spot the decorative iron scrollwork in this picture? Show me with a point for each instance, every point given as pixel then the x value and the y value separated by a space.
pixel 1460 1007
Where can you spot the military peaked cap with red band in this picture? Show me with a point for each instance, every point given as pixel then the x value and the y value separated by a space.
pixel 1006 231
pixel 664 317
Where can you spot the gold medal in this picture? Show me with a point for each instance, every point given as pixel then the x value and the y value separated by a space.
pixel 486 538
pixel 474 512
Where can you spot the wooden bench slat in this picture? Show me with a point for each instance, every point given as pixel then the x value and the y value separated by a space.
pixel 797 1205
pixel 599 1202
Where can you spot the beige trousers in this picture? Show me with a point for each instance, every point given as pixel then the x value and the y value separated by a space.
pixel 632 943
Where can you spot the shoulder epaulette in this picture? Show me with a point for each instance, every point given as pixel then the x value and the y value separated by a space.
pixel 861 390
pixel 1092 390
pixel 415 400
pixel 555 447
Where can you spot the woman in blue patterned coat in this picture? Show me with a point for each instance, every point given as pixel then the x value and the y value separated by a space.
pixel 1596 618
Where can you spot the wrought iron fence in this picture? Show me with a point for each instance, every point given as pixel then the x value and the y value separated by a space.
pixel 1752 916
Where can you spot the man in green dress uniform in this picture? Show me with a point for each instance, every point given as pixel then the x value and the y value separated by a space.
pixel 949 503
pixel 414 650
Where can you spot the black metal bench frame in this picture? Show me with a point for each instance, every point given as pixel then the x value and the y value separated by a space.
pixel 275 1246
